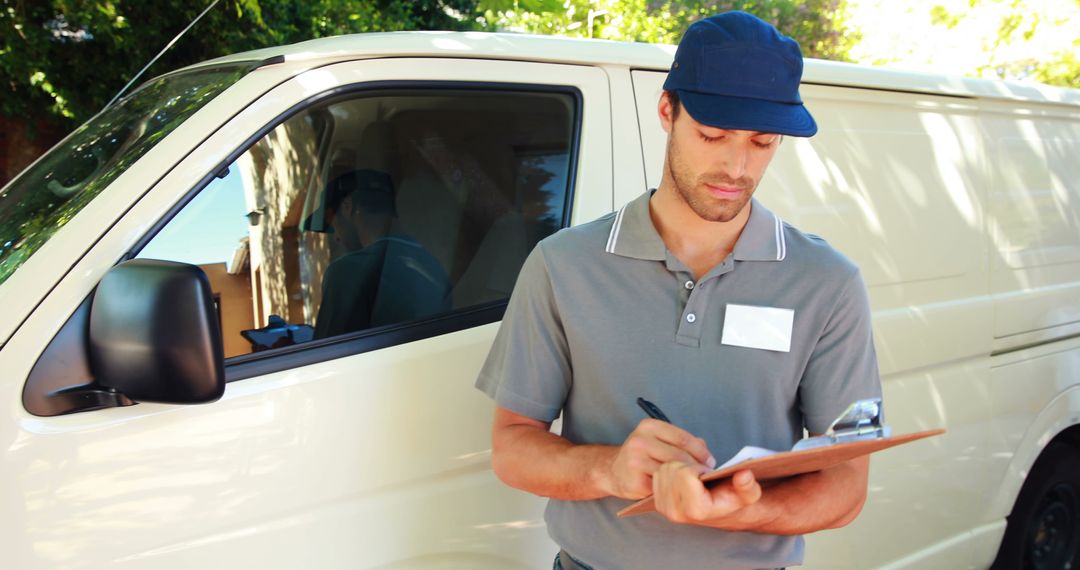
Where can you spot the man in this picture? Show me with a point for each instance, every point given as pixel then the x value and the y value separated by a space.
pixel 697 298
pixel 384 277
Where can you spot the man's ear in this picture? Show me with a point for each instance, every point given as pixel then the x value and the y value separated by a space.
pixel 666 111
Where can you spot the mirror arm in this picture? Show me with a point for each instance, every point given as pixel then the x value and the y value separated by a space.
pixel 89 397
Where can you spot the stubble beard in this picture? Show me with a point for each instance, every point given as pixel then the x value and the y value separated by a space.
pixel 696 195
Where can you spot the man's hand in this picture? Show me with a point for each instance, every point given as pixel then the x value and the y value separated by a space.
pixel 682 497
pixel 830 498
pixel 654 443
pixel 526 456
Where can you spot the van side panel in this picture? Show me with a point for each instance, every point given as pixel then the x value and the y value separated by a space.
pixel 1034 221
pixel 896 182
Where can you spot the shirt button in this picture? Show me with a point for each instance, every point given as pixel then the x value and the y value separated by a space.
pixel 689 285
pixel 691 318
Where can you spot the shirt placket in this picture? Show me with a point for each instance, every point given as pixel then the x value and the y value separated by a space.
pixel 695 296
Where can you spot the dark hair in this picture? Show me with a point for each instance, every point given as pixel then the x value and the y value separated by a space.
pixel 676 104
pixel 370 190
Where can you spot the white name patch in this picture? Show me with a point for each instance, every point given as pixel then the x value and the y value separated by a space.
pixel 766 328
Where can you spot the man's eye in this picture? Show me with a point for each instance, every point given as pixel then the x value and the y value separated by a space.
pixel 760 144
pixel 710 139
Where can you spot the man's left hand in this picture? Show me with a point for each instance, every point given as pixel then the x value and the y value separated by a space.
pixel 682 497
pixel 830 498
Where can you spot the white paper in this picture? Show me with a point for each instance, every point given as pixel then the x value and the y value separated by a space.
pixel 767 328
pixel 746 454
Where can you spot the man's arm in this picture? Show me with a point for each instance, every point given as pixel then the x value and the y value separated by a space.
pixel 830 498
pixel 526 456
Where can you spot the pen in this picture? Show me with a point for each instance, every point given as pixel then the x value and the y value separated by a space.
pixel 653 411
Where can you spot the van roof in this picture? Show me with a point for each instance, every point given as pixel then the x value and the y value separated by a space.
pixel 553 49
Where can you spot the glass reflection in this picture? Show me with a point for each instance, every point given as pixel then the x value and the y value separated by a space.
pixel 48 194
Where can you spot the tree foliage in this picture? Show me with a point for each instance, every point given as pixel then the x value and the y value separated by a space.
pixel 820 26
pixel 64 59
pixel 67 58
pixel 999 39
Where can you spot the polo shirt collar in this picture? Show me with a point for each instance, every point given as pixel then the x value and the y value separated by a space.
pixel 634 235
pixel 762 238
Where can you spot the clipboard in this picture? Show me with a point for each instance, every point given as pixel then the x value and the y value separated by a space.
pixel 789 463
pixel 858 431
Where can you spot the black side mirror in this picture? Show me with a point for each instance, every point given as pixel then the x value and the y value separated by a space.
pixel 153 333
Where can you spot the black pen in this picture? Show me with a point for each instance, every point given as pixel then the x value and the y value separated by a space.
pixel 653 411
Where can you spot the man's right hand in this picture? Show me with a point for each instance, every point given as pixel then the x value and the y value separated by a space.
pixel 527 456
pixel 652 444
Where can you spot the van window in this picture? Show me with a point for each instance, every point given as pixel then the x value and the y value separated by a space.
pixel 375 211
pixel 56 187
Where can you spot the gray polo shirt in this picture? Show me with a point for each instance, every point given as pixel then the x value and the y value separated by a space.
pixel 603 313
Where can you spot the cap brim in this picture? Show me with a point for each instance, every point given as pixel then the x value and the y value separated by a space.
pixel 742 113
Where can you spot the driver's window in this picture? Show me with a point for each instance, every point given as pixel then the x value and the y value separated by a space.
pixel 377 210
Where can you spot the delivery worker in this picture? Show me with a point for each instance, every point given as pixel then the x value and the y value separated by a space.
pixel 695 297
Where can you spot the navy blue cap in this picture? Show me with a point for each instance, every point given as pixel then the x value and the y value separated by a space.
pixel 735 71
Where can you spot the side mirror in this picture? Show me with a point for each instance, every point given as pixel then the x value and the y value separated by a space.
pixel 154 335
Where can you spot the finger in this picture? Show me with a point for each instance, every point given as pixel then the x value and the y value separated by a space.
pixel 680 494
pixel 693 498
pixel 664 452
pixel 633 480
pixel 645 443
pixel 746 488
pixel 724 500
pixel 689 469
pixel 734 494
pixel 636 456
pixel 680 438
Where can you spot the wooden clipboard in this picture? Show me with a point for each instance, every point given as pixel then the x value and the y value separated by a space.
pixel 790 463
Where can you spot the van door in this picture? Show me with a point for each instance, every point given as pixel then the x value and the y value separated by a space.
pixel 403 193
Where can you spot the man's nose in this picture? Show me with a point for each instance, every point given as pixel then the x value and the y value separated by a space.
pixel 733 162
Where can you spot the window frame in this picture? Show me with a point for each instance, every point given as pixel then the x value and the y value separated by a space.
pixel 285 358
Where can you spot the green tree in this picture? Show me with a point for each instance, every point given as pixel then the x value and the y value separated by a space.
pixel 69 57
pixel 64 59
pixel 820 26
pixel 61 61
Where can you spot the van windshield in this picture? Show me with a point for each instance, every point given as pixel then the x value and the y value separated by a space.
pixel 49 193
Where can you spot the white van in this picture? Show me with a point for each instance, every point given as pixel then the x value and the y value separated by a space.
pixel 203 415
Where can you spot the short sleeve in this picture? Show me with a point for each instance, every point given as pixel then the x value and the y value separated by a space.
pixel 528 368
pixel 843 366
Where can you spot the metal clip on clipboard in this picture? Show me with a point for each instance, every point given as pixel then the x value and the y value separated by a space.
pixel 860 421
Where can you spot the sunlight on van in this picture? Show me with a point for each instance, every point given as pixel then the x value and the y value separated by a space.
pixel 445 43
pixel 949 153
pixel 316 80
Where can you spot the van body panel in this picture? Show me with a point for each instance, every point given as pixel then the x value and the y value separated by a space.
pixel 953 552
pixel 628 166
pixel 261 475
pixel 1035 230
pixel 1036 397
pixel 633 55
